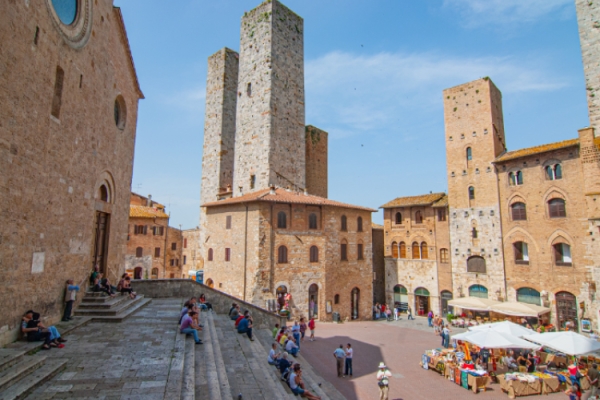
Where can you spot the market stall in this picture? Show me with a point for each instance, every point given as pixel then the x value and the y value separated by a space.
pixel 450 364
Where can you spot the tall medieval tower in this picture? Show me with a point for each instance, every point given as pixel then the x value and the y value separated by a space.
pixel 588 21
pixel 270 137
pixel 474 138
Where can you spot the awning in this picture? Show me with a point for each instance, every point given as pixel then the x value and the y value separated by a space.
pixel 473 303
pixel 570 343
pixel 192 272
pixel 491 339
pixel 519 309
pixel 505 327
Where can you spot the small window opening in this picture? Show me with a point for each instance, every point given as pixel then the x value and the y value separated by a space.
pixel 80 81
pixel 37 35
pixel 249 89
pixel 58 88
pixel 252 181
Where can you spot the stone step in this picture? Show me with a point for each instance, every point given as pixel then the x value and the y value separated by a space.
pixel 219 374
pixel 26 365
pixel 136 306
pixel 107 303
pixel 24 386
pixel 175 377
pixel 188 391
pixel 10 357
pixel 100 311
pixel 200 379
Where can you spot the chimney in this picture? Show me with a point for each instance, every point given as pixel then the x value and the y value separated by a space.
pixel 272 191
pixel 149 204
pixel 305 192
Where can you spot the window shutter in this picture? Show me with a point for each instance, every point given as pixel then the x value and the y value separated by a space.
pixel 394 250
pixel 145 229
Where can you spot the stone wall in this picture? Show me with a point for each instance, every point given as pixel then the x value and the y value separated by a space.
pixel 220 301
pixel 270 143
pixel 588 21
pixel 413 275
pixel 59 143
pixel 316 161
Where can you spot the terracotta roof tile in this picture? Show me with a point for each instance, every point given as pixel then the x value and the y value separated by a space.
pixel 146 212
pixel 283 196
pixel 443 202
pixel 376 226
pixel 423 200
pixel 511 155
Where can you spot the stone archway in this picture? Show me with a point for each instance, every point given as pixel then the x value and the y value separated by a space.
pixel 137 273
pixel 313 301
pixel 210 283
pixel 354 301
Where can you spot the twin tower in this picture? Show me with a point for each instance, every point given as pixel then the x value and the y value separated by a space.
pixel 254 133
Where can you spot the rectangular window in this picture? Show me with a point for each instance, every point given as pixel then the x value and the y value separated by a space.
pixel 184 260
pixel 444 256
pixel 344 251
pixel 172 262
pixel 158 230
pixel 360 251
pixel 521 253
pixel 185 243
pixel 252 181
pixel 228 222
pixel 173 246
pixel 177 261
pixel 157 252
pixel 227 254
pixel 58 89
pixel 172 276
pixel 441 214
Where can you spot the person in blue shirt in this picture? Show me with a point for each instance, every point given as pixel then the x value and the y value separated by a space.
pixel 245 326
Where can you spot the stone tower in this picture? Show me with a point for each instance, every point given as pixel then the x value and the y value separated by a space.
pixel 588 20
pixel 219 125
pixel 270 140
pixel 316 161
pixel 474 138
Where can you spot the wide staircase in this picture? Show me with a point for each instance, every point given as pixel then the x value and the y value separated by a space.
pixel 103 308
pixel 228 365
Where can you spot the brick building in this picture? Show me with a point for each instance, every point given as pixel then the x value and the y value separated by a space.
pixel 154 249
pixel 68 110
pixel 192 260
pixel 260 160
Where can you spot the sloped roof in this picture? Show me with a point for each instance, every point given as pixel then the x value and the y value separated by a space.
pixel 146 212
pixel 529 151
pixel 443 202
pixel 283 196
pixel 423 200
pixel 376 226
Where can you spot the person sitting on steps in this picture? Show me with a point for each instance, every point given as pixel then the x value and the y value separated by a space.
pixel 235 313
pixel 273 358
pixel 240 318
pixel 124 286
pixel 203 304
pixel 35 322
pixel 189 327
pixel 101 285
pixel 245 326
pixel 297 384
pixel 34 333
pixel 291 346
pixel 284 365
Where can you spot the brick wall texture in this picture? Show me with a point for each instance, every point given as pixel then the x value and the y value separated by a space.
pixel 54 165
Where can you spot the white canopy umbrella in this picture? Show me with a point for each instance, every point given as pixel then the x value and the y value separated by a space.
pixel 491 339
pixel 570 343
pixel 505 327
pixel 519 309
pixel 473 303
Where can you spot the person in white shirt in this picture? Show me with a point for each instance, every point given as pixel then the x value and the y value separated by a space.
pixel 383 376
pixel 273 358
pixel 291 347
pixel 349 353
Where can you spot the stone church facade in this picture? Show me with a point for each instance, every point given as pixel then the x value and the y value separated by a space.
pixel 266 225
pixel 522 224
pixel 69 96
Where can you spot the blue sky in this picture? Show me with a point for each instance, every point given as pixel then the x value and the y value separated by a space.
pixel 375 71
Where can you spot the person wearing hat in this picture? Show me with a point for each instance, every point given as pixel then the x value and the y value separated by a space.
pixel 383 376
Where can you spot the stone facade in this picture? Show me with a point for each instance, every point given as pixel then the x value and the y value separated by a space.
pixel 378 263
pixel 588 21
pixel 316 161
pixel 243 256
pixel 65 153
pixel 192 255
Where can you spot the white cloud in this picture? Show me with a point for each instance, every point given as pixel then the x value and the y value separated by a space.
pixel 349 94
pixel 497 12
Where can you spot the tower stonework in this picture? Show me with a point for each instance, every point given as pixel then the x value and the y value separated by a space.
pixel 219 125
pixel 588 20
pixel 316 161
pixel 270 144
pixel 474 138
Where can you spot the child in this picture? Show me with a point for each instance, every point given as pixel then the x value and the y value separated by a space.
pixel 311 326
pixel 70 297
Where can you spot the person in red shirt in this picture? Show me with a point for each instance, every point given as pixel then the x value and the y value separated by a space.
pixel 241 317
pixel 311 326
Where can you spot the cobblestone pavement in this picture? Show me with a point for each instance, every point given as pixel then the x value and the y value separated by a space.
pixel 400 345
pixel 128 360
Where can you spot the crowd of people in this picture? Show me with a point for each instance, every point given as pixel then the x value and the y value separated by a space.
pixel 189 317
pixel 384 311
pixel 34 330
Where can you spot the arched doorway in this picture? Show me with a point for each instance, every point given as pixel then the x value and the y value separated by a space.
pixel 566 311
pixel 422 301
pixel 529 295
pixel 210 283
pixel 154 273
pixel 401 297
pixel 444 297
pixel 137 273
pixel 280 294
pixel 355 298
pixel 313 301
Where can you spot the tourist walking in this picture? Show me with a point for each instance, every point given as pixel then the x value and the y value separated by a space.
pixel 593 376
pixel 339 354
pixel 446 336
pixel 429 319
pixel 312 326
pixel 396 312
pixel 302 329
pixel 383 376
pixel 409 312
pixel 349 354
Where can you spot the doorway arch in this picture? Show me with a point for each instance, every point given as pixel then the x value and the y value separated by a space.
pixel 566 310
pixel 280 293
pixel 401 297
pixel 210 283
pixel 313 301
pixel 355 298
pixel 154 274
pixel 445 296
pixel 137 273
pixel 422 301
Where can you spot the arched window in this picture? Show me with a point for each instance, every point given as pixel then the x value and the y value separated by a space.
pixel 562 254
pixel 469 154
pixel 518 211
pixel 344 251
pixel 210 254
pixel 529 295
pixel 398 218
pixel 344 223
pixel 314 254
pixel 519 177
pixel 476 264
pixel 418 217
pixel 281 220
pixel 478 291
pixel 416 251
pixel 312 221
pixel 444 256
pixel 521 253
pixel 511 179
pixel 139 252
pixel 553 172
pixel 103 193
pixel 424 252
pixel 515 178
pixel 282 255
pixel 336 299
pixel 402 250
pixel 394 250
pixel 556 208
pixel 557 171
pixel 359 227
pixel 471 193
pixel 474 233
